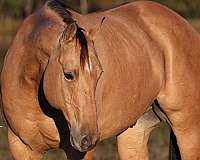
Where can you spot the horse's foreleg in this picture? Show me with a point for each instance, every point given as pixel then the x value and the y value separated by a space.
pixel 132 144
pixel 19 150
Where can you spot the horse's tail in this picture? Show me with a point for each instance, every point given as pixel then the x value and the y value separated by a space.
pixel 174 152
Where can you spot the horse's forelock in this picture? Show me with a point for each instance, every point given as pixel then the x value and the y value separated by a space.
pixel 60 8
pixel 84 56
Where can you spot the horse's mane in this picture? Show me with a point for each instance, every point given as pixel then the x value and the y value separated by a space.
pixel 60 7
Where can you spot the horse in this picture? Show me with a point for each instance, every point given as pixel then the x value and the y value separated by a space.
pixel 34 125
pixel 140 52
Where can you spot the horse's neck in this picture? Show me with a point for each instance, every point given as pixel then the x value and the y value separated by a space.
pixel 126 63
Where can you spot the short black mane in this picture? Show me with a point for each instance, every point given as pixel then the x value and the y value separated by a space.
pixel 60 7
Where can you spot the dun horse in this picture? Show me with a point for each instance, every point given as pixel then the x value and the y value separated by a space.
pixel 140 52
pixel 34 126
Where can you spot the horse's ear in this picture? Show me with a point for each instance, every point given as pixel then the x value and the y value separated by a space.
pixel 69 32
pixel 94 31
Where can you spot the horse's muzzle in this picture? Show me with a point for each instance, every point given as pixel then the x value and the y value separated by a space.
pixel 85 142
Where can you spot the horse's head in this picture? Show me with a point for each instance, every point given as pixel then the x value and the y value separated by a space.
pixel 70 82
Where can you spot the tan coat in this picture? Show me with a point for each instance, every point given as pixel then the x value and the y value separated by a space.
pixel 145 52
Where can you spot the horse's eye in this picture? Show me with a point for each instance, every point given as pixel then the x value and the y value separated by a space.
pixel 69 76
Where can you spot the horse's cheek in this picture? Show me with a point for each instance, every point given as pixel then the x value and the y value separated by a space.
pixel 52 86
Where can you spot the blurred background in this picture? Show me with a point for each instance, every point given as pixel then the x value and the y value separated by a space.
pixel 12 13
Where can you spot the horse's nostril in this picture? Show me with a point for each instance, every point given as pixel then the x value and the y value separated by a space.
pixel 86 142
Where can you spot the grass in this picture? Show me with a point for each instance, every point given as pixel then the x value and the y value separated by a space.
pixel 105 150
